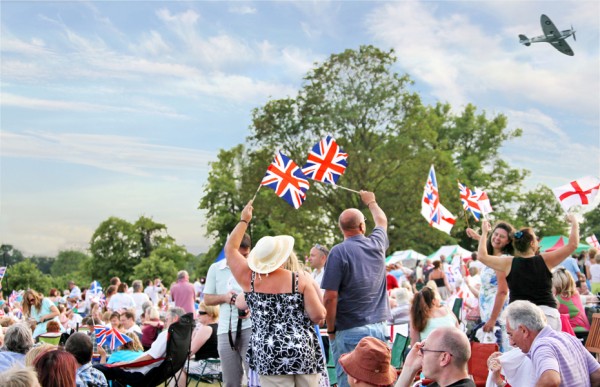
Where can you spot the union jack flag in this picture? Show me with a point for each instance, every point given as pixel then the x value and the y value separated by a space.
pixel 101 331
pixel 470 200
pixel 431 199
pixel 326 161
pixel 15 297
pixel 287 180
pixel 113 337
pixel 2 271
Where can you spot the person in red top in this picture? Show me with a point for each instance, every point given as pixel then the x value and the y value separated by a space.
pixel 392 282
pixel 183 293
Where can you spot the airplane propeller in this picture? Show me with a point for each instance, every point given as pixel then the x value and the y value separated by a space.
pixel 574 37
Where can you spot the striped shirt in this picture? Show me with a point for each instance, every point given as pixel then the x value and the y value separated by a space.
pixel 563 353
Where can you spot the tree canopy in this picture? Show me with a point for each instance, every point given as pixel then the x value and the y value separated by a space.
pixel 391 138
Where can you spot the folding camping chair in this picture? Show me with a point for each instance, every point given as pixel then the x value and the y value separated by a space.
pixel 398 350
pixel 179 341
pixel 592 343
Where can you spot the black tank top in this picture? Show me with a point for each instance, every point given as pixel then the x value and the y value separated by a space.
pixel 530 280
pixel 439 282
pixel 209 349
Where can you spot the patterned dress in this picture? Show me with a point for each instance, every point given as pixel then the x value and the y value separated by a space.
pixel 283 340
pixel 487 298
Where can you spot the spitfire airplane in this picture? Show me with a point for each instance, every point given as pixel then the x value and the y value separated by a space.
pixel 551 35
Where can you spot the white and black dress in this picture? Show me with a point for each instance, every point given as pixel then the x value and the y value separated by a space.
pixel 283 340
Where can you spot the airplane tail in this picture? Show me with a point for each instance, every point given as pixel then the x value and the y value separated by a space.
pixel 524 40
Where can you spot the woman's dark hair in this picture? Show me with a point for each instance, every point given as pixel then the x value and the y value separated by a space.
pixel 56 369
pixel 436 264
pixel 420 309
pixel 122 287
pixel 523 238
pixel 510 230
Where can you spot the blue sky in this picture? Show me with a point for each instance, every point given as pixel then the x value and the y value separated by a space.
pixel 116 108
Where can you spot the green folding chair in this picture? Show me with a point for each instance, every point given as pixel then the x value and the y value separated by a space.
pixel 458 302
pixel 398 349
pixel 331 369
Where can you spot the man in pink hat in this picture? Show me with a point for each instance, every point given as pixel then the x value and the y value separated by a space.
pixel 369 364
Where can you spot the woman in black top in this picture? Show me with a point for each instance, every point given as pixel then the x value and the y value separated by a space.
pixel 529 275
pixel 204 341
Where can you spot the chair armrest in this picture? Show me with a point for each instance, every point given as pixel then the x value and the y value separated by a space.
pixel 136 364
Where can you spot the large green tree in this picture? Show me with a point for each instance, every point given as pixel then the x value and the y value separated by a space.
pixel 391 139
pixel 25 275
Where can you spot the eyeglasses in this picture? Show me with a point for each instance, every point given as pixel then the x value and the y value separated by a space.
pixel 322 249
pixel 423 350
pixel 202 313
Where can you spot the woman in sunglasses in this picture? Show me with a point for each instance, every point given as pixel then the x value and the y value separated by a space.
pixel 39 310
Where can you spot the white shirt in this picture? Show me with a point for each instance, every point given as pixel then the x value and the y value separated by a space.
pixel 121 301
pixel 139 299
pixel 157 350
pixel 318 276
pixel 154 292
pixel 595 273
pixel 135 328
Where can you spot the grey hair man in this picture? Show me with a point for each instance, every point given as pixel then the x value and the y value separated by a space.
pixel 443 358
pixel 317 258
pixel 558 359
pixel 17 342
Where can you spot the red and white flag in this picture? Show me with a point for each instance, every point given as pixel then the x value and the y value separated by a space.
pixel 582 191
pixel 445 220
pixel 593 241
pixel 484 203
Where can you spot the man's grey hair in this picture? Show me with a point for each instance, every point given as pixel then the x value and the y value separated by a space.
pixel 176 311
pixel 182 274
pixel 18 338
pixel 137 286
pixel 527 314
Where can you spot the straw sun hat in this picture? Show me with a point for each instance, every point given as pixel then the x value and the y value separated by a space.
pixel 270 253
pixel 370 362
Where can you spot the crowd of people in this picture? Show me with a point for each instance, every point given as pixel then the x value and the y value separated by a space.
pixel 261 313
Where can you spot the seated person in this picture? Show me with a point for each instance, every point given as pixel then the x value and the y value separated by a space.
pixel 401 309
pixel 80 345
pixel 569 301
pixel 126 352
pixel 17 342
pixel 204 339
pixel 443 357
pixel 158 350
pixel 151 327
pixel 369 364
pixel 127 319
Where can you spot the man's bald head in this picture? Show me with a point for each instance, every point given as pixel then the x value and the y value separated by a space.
pixel 350 220
pixel 454 341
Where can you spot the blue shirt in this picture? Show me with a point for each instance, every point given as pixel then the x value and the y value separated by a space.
pixel 572 267
pixel 8 359
pixel 355 269
pixel 88 376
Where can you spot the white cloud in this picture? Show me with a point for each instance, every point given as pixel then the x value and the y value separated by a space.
pixel 152 44
pixel 129 155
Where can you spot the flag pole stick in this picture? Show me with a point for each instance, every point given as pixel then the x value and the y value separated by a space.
pixel 347 189
pixel 256 193
pixel 464 211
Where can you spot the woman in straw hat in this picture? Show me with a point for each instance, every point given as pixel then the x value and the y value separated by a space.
pixel 284 349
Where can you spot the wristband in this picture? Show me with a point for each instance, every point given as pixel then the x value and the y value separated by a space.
pixel 233 298
pixel 243 221
pixel 371 202
pixel 332 332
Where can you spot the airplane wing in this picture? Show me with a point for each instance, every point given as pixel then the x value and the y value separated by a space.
pixel 549 28
pixel 563 47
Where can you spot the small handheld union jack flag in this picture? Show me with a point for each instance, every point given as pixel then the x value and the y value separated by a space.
pixel 432 210
pixel 326 161
pixel 2 272
pixel 469 199
pixel 287 180
pixel 111 335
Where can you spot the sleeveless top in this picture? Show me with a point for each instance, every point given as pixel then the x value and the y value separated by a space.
pixel 209 349
pixel 439 282
pixel 530 280
pixel 435 322
pixel 283 339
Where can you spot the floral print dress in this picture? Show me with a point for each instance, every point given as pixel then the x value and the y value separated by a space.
pixel 283 340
